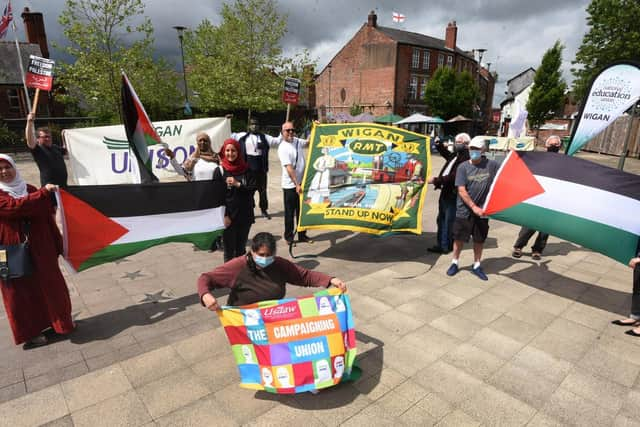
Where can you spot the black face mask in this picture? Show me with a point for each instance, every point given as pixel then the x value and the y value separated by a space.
pixel 460 148
pixel 553 148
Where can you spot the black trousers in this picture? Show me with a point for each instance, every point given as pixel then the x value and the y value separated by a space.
pixel 635 297
pixel 291 213
pixel 234 239
pixel 526 234
pixel 261 188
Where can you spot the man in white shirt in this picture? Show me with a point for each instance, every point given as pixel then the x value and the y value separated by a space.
pixel 255 149
pixel 292 161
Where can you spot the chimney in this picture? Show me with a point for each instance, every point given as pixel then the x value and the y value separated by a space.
pixel 451 36
pixel 372 20
pixel 34 28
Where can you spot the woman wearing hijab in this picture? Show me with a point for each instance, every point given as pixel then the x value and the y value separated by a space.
pixel 202 164
pixel 241 185
pixel 37 305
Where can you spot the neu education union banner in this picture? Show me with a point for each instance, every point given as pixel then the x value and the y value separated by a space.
pixel 365 177
pixel 292 345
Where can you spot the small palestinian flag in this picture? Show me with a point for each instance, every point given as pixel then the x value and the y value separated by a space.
pixel 102 223
pixel 583 202
pixel 139 129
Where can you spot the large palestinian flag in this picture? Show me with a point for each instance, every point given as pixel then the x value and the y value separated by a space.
pixel 139 129
pixel 589 204
pixel 102 223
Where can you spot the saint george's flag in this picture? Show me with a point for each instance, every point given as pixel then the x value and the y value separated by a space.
pixel 103 223
pixel 583 202
pixel 7 16
pixel 140 131
pixel 398 17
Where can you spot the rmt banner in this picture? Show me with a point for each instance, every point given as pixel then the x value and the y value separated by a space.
pixel 40 73
pixel 291 93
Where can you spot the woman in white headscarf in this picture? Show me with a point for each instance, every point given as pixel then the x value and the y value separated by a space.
pixel 37 305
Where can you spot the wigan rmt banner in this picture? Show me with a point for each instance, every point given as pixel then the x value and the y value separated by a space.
pixel 292 345
pixel 365 177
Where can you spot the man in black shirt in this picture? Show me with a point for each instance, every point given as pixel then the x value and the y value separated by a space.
pixel 48 157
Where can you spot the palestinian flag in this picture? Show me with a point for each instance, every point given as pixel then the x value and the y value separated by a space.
pixel 102 223
pixel 589 204
pixel 139 129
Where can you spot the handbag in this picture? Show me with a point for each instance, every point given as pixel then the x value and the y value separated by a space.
pixel 15 260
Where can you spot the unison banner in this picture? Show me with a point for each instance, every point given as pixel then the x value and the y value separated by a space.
pixel 292 345
pixel 101 155
pixel 365 177
pixel 612 92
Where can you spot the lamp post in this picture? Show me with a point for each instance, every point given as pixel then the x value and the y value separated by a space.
pixel 482 100
pixel 329 106
pixel 187 108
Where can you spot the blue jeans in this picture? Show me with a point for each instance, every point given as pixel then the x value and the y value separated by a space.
pixel 446 216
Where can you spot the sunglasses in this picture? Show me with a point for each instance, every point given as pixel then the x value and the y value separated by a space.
pixel 287 130
pixel 203 140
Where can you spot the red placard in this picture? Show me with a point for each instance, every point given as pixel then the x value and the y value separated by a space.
pixel 40 73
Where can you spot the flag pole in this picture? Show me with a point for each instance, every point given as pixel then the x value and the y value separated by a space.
pixel 24 82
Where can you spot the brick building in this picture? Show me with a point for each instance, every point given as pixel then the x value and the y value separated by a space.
pixel 385 70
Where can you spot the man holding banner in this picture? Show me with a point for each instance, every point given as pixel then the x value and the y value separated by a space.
pixel 48 156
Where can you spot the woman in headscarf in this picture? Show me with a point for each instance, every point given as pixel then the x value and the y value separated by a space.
pixel 199 166
pixel 37 305
pixel 241 185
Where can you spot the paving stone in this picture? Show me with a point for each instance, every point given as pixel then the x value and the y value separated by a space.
pixel 50 404
pixel 150 366
pixel 495 343
pixel 495 407
pixel 399 323
pixel 444 299
pixel 12 391
pixel 433 405
pixel 522 384
pixel 378 329
pixel 560 346
pixel 458 418
pixel 122 410
pixel 453 384
pixel 571 409
pixel 528 313
pixel 464 289
pixel 65 421
pixel 477 312
pixel 373 415
pixel 10 376
pixel 421 309
pixel 217 372
pixel 379 384
pixel 542 363
pixel 54 377
pixel 367 308
pixel 631 405
pixel 605 393
pixel 609 366
pixel 548 302
pixel 474 360
pixel 202 346
pixel 334 405
pixel 622 421
pixel 103 383
pixel 171 392
pixel 285 414
pixel 456 326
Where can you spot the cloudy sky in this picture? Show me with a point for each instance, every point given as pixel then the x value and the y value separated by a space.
pixel 515 33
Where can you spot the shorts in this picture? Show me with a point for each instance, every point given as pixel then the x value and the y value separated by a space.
pixel 472 226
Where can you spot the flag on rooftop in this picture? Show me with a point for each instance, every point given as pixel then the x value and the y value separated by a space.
pixel 398 17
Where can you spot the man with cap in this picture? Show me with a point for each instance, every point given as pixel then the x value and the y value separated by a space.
pixel 473 181
pixel 255 150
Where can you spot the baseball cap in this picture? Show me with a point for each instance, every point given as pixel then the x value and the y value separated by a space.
pixel 478 142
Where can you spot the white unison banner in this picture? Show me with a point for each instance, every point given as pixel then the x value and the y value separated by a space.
pixel 101 155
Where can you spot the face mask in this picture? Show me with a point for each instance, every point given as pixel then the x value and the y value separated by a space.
pixel 553 148
pixel 263 261
pixel 475 154
pixel 460 148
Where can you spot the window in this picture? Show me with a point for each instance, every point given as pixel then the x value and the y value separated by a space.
pixel 440 60
pixel 423 86
pixel 14 99
pixel 415 60
pixel 425 60
pixel 413 87
pixel 450 61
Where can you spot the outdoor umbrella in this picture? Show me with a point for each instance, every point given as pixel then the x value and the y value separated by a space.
pixel 388 118
pixel 414 118
pixel 458 118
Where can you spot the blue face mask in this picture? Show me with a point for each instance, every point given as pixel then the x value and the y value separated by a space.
pixel 475 154
pixel 263 261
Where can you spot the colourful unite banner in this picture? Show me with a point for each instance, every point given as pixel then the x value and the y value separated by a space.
pixel 365 177
pixel 292 345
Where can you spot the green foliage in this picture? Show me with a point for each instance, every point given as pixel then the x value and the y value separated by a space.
pixel 449 93
pixel 614 34
pixel 356 109
pixel 105 37
pixel 239 64
pixel 10 141
pixel 547 93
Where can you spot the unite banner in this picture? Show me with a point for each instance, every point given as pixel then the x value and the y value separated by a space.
pixel 292 345
pixel 101 155
pixel 365 177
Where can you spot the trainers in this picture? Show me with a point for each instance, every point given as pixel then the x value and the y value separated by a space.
pixel 478 272
pixel 536 256
pixel 453 270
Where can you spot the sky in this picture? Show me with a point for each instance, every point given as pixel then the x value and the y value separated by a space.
pixel 515 33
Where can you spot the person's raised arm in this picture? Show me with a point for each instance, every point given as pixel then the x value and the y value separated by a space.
pixel 29 131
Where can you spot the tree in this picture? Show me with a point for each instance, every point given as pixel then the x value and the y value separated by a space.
pixel 239 64
pixel 103 41
pixel 614 34
pixel 449 93
pixel 547 93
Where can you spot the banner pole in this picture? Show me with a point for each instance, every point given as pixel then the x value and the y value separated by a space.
pixel 288 111
pixel 24 82
pixel 35 101
pixel 627 137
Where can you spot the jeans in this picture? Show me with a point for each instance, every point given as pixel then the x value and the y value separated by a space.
pixel 524 236
pixel 446 216
pixel 291 213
